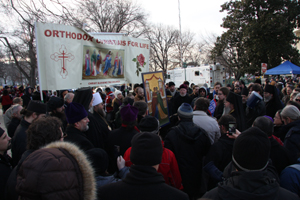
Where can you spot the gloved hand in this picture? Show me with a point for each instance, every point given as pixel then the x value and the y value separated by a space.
pixel 120 162
pixel 213 171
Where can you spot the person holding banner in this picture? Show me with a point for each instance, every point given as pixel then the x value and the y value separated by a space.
pixel 107 61
pixel 87 63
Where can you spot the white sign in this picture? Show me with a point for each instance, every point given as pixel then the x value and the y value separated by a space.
pixel 68 57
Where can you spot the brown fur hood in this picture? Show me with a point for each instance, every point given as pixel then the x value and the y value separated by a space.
pixel 60 170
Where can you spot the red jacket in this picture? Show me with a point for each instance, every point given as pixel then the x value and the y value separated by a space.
pixel 168 167
pixel 6 100
pixel 108 102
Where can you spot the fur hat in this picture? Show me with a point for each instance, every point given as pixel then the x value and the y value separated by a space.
pixel 251 150
pixel 54 102
pixel 129 113
pixel 97 99
pixel 185 111
pixel 291 112
pixel 146 149
pixel 149 124
pixel 37 106
pixel 75 112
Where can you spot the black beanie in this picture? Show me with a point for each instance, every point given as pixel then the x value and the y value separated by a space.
pixel 54 102
pixel 37 106
pixel 251 150
pixel 149 124
pixel 146 149
pixel 99 160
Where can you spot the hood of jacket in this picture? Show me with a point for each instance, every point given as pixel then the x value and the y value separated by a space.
pixel 55 161
pixel 202 89
pixel 248 185
pixel 27 92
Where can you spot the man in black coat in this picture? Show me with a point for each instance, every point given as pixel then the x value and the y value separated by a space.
pixel 77 118
pixel 94 134
pixel 121 138
pixel 99 114
pixel 15 120
pixel 27 97
pixel 190 144
pixel 272 101
pixel 35 110
pixel 5 161
pixel 143 181
pixel 280 156
pixel 183 97
pixel 250 180
pixel 56 108
pixel 220 154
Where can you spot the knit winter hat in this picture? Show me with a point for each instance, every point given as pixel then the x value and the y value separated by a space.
pixel 1 132
pixel 75 112
pixel 251 150
pixel 291 112
pixel 182 86
pixel 37 106
pixel 99 160
pixel 117 92
pixel 149 124
pixel 185 111
pixel 129 113
pixel 146 149
pixel 97 99
pixel 55 102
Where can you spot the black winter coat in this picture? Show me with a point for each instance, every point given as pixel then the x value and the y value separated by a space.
pixel 78 137
pixel 250 185
pixel 19 141
pixel 190 144
pixel 143 182
pixel 14 123
pixel 292 139
pixel 104 126
pixel 280 156
pixel 5 170
pixel 95 133
pixel 122 138
pixel 252 114
pixel 178 100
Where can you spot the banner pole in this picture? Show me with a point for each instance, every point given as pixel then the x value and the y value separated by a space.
pixel 38 66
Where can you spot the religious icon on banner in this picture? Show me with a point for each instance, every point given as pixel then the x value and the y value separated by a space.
pixel 155 95
pixel 102 63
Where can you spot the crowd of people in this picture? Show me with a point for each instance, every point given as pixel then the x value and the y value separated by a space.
pixel 235 142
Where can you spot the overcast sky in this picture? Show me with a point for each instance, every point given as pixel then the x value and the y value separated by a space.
pixel 199 16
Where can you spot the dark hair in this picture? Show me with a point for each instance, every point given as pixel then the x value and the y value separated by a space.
pixel 107 89
pixel 127 100
pixel 186 83
pixel 224 90
pixel 42 132
pixel 294 103
pixel 264 124
pixel 202 104
pixel 5 92
pixel 26 113
pixel 257 88
pixel 141 106
pixel 218 83
pixel 225 119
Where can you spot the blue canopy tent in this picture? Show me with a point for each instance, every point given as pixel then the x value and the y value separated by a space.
pixel 285 68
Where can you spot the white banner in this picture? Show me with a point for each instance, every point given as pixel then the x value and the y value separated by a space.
pixel 70 58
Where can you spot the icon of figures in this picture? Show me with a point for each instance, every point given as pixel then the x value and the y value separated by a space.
pixel 93 62
pixel 107 61
pixel 120 69
pixel 161 88
pixel 87 63
pixel 99 63
pixel 115 64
